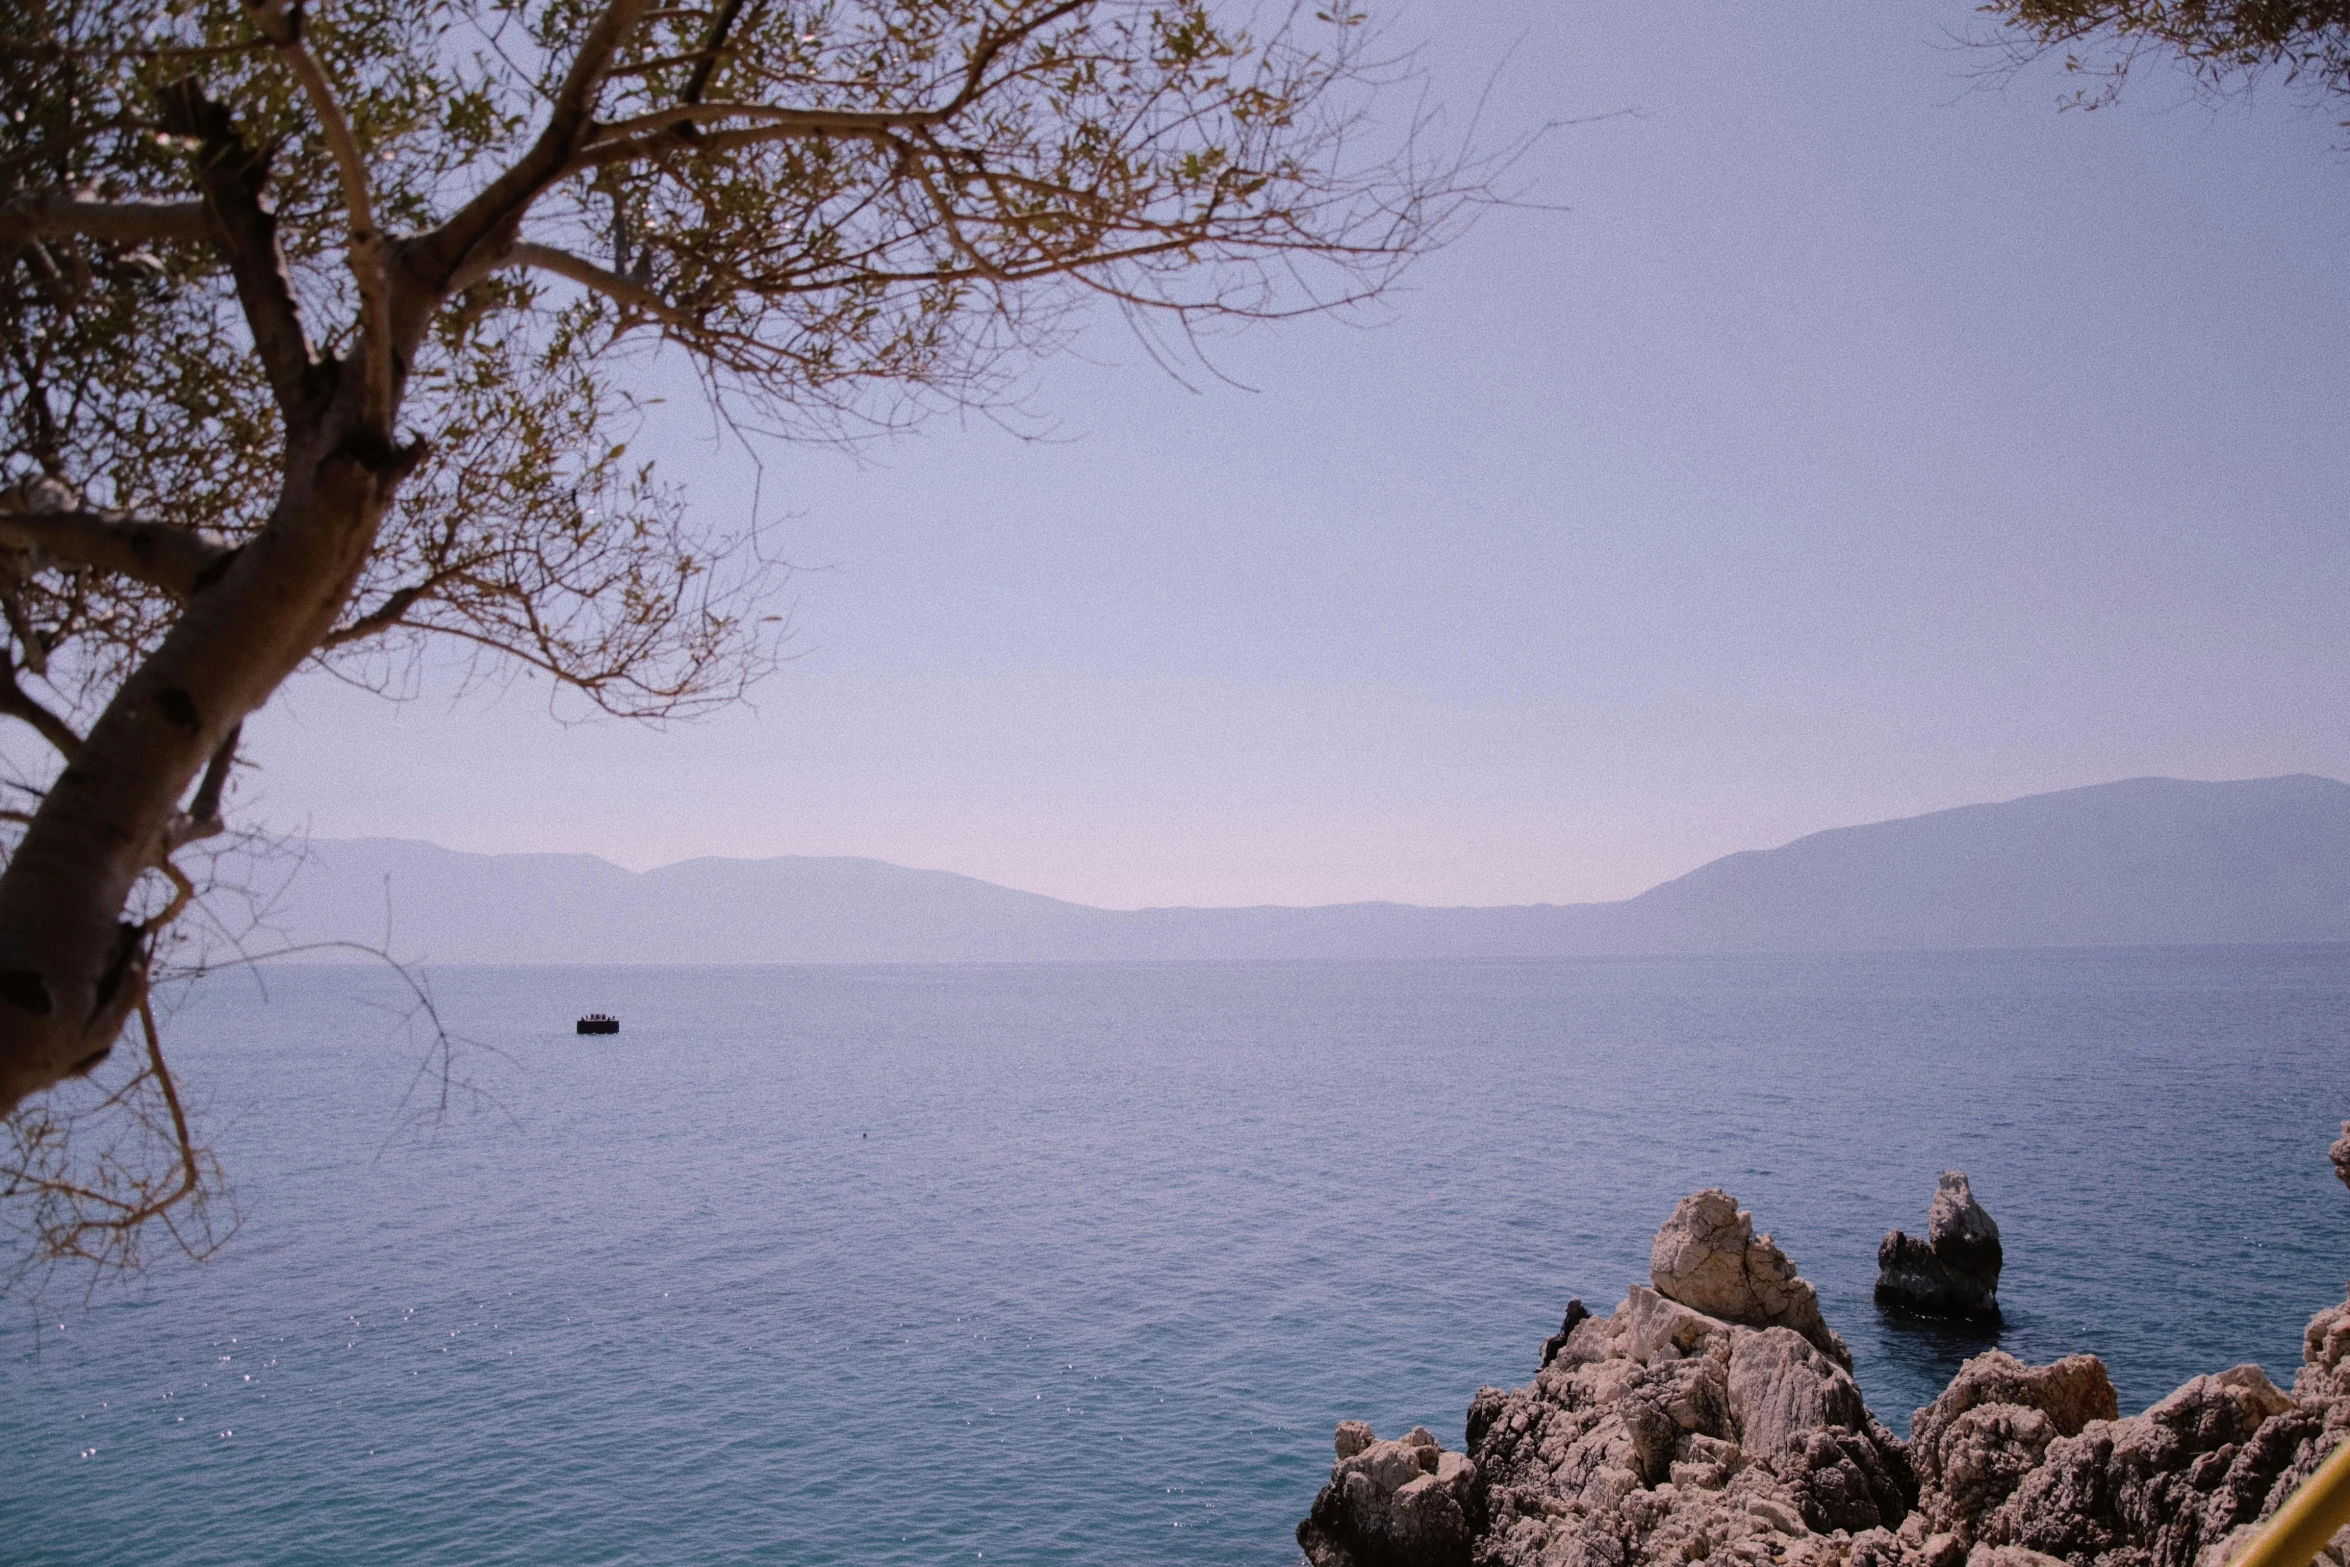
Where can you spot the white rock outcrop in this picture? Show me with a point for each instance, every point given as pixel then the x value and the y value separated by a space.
pixel 1667 1433
pixel 1709 1259
pixel 1403 1503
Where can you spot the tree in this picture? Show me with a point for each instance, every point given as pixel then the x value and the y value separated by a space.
pixel 316 322
pixel 2224 43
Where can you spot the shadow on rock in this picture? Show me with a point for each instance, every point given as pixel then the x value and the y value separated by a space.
pixel 1954 1270
pixel 1712 1417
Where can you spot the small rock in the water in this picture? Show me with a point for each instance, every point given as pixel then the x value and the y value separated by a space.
pixel 1954 1271
pixel 2340 1154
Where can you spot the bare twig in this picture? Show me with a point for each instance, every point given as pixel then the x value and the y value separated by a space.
pixel 625 291
pixel 16 702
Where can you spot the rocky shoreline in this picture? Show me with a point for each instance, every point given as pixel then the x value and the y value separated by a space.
pixel 1713 1417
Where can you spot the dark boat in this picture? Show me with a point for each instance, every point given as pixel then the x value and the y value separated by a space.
pixel 599 1023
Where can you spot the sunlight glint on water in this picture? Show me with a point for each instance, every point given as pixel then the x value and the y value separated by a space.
pixel 1080 1264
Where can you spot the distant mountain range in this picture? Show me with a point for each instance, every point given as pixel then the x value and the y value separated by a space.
pixel 2143 862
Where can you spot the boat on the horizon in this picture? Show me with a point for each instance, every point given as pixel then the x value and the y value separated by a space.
pixel 599 1023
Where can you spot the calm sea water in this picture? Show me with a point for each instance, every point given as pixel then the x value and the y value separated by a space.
pixel 1081 1264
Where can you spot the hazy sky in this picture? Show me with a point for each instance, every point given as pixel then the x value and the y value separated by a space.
pixel 1865 439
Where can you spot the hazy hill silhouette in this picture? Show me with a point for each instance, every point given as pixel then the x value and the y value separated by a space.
pixel 2144 861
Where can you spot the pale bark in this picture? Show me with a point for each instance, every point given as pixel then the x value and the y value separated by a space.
pixel 26 218
pixel 71 971
pixel 160 554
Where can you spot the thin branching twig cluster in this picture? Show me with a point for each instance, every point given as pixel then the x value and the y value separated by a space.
pixel 114 1163
pixel 323 334
pixel 2226 45
pixel 88 1175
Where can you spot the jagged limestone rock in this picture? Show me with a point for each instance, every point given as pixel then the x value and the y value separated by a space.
pixel 2157 1486
pixel 1665 1432
pixel 1709 1259
pixel 1992 1425
pixel 1391 1504
pixel 1954 1270
pixel 1663 1435
pixel 2020 1462
pixel 1781 1389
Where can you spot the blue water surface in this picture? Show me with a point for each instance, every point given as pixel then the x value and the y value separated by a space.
pixel 1059 1264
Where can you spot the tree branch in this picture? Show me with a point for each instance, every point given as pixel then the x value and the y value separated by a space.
pixel 206 805
pixel 993 44
pixel 183 892
pixel 280 21
pixel 811 122
pixel 39 214
pixel 644 134
pixel 16 703
pixel 232 177
pixel 713 43
pixel 20 626
pixel 546 258
pixel 386 615
pixel 175 559
pixel 986 266
pixel 803 124
pixel 202 817
pixel 625 141
pixel 435 258
pixel 181 1139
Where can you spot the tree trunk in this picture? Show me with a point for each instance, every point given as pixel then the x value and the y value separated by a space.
pixel 70 969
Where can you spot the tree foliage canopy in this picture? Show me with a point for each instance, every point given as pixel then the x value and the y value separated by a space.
pixel 2227 44
pixel 319 323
